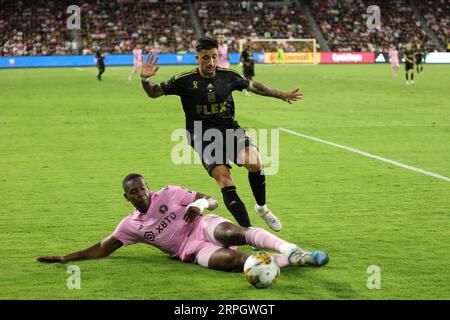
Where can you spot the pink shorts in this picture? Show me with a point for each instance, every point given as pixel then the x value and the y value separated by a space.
pixel 201 243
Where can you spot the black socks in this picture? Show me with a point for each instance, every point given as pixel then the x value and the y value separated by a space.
pixel 258 184
pixel 235 206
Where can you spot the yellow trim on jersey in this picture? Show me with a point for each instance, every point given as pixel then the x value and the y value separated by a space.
pixel 231 70
pixel 186 73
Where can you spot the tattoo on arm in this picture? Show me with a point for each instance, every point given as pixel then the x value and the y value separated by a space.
pixel 152 89
pixel 263 90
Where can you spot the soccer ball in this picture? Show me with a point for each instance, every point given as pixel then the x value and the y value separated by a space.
pixel 261 270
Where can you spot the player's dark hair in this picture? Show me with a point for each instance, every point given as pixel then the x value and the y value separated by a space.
pixel 206 43
pixel 130 177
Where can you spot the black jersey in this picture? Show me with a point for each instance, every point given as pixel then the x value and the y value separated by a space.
pixel 247 55
pixel 418 54
pixel 206 99
pixel 100 58
pixel 409 54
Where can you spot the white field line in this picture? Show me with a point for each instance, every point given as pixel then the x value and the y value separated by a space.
pixel 395 163
pixel 78 69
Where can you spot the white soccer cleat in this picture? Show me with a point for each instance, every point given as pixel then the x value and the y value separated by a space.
pixel 271 220
pixel 407 82
pixel 413 82
pixel 300 257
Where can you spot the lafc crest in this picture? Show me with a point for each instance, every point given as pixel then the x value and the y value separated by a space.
pixel 210 91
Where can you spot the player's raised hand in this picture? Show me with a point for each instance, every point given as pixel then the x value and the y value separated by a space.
pixel 149 67
pixel 50 259
pixel 292 96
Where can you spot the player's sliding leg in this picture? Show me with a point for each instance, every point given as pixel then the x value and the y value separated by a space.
pixel 250 158
pixel 227 260
pixel 235 206
pixel 232 260
pixel 229 234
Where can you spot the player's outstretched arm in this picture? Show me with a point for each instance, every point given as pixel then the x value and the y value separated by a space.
pixel 149 69
pixel 263 90
pixel 201 202
pixel 102 249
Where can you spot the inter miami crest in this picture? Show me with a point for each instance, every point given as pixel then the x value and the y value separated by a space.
pixel 163 209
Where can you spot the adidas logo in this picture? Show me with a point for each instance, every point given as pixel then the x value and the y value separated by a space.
pixel 380 58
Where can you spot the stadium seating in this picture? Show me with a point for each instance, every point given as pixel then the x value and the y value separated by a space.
pixel 259 19
pixel 343 24
pixel 39 27
pixel 437 15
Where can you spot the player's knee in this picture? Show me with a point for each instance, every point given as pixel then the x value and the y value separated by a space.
pixel 254 167
pixel 223 178
pixel 224 181
pixel 230 234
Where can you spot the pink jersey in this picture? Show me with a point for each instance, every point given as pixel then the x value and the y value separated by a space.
pixel 137 57
pixel 162 225
pixel 393 57
pixel 223 54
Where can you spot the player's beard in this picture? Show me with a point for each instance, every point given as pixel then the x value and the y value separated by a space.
pixel 210 71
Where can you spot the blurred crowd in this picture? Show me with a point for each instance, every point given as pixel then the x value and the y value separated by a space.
pixel 344 25
pixel 437 15
pixel 252 19
pixel 39 27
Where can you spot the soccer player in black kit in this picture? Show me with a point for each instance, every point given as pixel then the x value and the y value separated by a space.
pixel 409 63
pixel 100 64
pixel 206 96
pixel 419 57
pixel 248 64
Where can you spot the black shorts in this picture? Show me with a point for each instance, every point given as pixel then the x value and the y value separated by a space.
pixel 409 66
pixel 419 59
pixel 215 151
pixel 249 71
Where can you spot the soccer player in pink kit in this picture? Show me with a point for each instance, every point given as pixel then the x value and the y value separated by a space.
pixel 393 59
pixel 137 61
pixel 223 53
pixel 172 221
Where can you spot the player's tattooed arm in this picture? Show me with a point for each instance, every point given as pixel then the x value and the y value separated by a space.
pixel 149 69
pixel 263 90
pixel 152 89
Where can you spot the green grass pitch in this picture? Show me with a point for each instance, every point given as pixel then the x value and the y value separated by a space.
pixel 67 140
